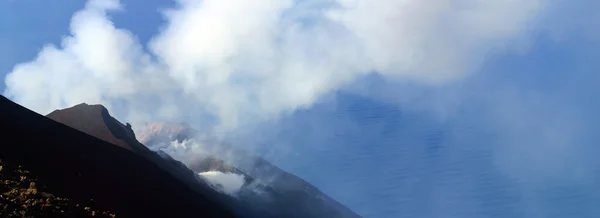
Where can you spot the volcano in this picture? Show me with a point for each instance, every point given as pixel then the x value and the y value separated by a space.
pixel 282 194
pixel 85 155
pixel 83 166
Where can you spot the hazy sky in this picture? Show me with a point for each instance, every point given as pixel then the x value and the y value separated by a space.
pixel 397 108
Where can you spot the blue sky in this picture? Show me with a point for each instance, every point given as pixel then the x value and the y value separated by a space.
pixel 515 136
pixel 516 140
pixel 24 35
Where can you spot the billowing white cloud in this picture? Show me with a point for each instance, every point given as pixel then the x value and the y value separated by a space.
pixel 96 64
pixel 246 61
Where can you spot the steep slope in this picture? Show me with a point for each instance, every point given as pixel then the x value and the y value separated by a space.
pixel 159 132
pixel 23 195
pixel 95 120
pixel 287 194
pixel 284 195
pixel 80 167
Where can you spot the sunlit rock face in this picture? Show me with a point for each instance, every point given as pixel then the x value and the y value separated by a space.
pixel 95 120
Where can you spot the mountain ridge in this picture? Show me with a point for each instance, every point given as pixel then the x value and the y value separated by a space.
pixel 96 121
pixel 83 117
pixel 75 165
pixel 289 196
pixel 284 184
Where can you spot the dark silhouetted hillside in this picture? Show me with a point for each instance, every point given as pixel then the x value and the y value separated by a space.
pixel 23 195
pixel 77 166
pixel 96 121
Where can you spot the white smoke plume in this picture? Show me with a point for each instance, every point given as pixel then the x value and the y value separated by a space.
pixel 240 61
pixel 228 183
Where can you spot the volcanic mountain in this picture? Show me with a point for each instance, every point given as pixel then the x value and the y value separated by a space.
pixel 84 153
pixel 75 165
pixel 284 194
pixel 95 120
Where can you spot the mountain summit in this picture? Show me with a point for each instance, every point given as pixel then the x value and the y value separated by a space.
pixel 95 120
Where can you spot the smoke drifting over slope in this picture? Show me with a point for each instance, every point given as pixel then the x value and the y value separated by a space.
pixel 229 183
pixel 238 61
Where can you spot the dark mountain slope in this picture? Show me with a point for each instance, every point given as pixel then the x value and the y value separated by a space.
pixel 23 195
pixel 96 121
pixel 80 167
pixel 288 195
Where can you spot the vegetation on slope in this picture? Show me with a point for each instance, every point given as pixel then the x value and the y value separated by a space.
pixel 23 195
